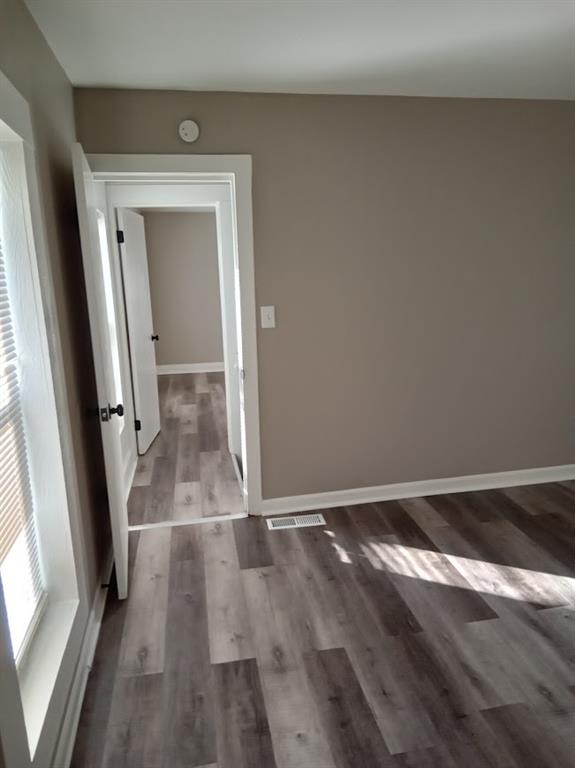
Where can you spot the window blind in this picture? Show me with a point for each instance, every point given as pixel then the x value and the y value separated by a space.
pixel 20 566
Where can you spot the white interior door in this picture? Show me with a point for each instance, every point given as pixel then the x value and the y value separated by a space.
pixel 102 312
pixel 140 326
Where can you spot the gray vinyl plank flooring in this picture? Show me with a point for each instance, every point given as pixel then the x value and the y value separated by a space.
pixel 348 720
pixel 187 473
pixel 427 633
pixel 143 640
pixel 229 630
pixel 279 646
pixel 252 543
pixel 244 739
pixel 135 735
pixel 188 700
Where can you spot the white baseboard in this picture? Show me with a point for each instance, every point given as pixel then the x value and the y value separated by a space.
pixel 67 738
pixel 190 368
pixel 291 504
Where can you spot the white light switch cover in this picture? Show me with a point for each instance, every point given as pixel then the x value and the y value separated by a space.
pixel 268 315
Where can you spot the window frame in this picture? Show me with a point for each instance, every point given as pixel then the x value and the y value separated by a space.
pixel 29 352
pixel 35 694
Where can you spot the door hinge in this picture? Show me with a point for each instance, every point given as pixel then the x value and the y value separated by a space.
pixel 138 425
pixel 119 236
pixel 242 374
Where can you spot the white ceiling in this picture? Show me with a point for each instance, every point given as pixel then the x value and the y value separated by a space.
pixel 491 48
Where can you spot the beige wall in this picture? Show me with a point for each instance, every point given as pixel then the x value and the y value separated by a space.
pixel 28 62
pixel 183 265
pixel 420 253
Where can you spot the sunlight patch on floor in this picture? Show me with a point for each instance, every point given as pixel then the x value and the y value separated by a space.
pixel 504 581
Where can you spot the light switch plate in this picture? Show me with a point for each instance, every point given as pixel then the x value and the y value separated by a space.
pixel 268 315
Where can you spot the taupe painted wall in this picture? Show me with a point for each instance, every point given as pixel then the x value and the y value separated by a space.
pixel 421 256
pixel 183 265
pixel 28 62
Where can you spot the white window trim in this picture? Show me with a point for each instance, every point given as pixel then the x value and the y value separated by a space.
pixel 47 672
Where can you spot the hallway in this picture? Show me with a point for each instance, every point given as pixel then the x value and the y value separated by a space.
pixel 187 473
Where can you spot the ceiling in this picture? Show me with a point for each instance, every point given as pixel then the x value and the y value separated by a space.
pixel 469 48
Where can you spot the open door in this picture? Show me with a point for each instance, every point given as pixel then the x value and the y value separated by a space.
pixel 140 326
pixel 99 288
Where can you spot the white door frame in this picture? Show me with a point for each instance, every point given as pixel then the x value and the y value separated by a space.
pixel 235 172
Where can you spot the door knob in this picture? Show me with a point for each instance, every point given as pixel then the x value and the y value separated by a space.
pixel 155 337
pixel 106 413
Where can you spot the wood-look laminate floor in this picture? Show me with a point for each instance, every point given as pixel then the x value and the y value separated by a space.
pixel 428 633
pixel 187 473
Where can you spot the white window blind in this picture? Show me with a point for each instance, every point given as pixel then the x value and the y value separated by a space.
pixel 20 566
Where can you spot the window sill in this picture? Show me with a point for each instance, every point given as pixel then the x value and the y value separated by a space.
pixel 39 670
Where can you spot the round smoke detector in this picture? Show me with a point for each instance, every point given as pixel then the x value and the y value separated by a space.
pixel 189 131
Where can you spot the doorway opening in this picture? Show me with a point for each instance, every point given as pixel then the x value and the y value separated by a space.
pixel 179 309
pixel 167 481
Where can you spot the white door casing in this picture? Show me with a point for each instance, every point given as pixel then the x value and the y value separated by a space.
pixel 183 181
pixel 231 325
pixel 86 198
pixel 140 326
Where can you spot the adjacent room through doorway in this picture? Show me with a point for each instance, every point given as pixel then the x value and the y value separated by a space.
pixel 185 470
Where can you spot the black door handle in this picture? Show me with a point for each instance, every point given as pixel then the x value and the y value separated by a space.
pixel 155 337
pixel 118 410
